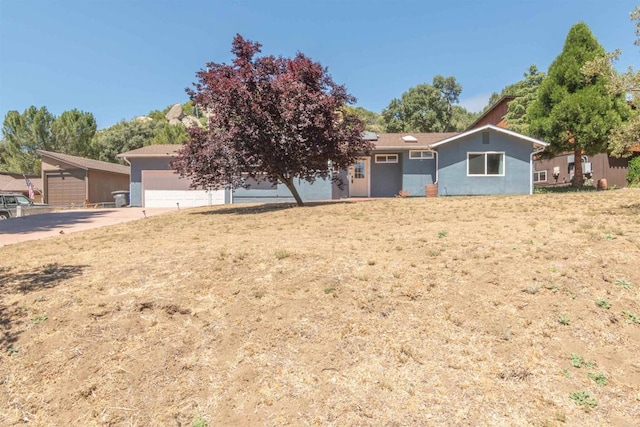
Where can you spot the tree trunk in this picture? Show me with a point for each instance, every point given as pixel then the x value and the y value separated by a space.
pixel 289 183
pixel 578 177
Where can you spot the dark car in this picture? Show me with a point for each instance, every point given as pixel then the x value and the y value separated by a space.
pixel 9 204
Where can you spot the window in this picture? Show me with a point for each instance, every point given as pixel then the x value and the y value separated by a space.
pixel 420 154
pixel 386 158
pixel 485 164
pixel 540 176
pixel 359 170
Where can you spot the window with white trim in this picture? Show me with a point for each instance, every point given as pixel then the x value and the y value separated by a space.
pixel 420 154
pixel 540 176
pixel 386 158
pixel 485 164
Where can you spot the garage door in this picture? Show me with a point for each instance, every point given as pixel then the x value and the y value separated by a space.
pixel 66 188
pixel 165 189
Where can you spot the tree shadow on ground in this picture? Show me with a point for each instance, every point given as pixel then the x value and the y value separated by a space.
pixel 48 221
pixel 251 209
pixel 13 282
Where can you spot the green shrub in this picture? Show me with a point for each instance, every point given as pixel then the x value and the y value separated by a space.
pixel 633 173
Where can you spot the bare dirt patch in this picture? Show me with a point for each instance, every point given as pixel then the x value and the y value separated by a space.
pixel 457 311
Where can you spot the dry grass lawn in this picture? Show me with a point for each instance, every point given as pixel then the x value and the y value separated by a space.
pixel 513 310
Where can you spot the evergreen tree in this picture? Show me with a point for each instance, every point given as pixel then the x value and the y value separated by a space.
pixel 574 112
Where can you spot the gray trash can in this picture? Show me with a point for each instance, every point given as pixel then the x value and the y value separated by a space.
pixel 121 198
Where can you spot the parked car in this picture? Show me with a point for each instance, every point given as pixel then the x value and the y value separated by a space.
pixel 9 203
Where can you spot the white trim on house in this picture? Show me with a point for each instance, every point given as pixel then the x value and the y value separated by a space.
pixel 421 156
pixel 495 128
pixel 388 158
pixel 485 153
pixel 539 173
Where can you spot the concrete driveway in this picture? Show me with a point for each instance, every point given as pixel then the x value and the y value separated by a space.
pixel 41 226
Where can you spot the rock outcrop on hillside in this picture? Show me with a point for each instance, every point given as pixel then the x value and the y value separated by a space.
pixel 176 116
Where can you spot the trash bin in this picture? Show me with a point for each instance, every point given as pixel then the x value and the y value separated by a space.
pixel 121 198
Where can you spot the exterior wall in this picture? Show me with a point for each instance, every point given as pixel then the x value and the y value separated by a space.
pixel 321 189
pixel 101 184
pixel 386 178
pixel 495 116
pixel 336 191
pixel 137 166
pixel 452 162
pixel 613 169
pixel 416 174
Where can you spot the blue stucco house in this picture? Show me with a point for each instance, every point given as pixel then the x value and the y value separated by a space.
pixel 485 160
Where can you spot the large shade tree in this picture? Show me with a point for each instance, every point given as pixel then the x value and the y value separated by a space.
pixel 270 118
pixel 575 112
pixel 73 131
pixel 424 108
pixel 24 133
pixel 626 137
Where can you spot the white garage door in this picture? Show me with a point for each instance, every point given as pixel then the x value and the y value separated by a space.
pixel 165 189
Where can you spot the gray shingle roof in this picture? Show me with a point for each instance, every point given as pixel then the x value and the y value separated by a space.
pixel 84 163
pixel 395 141
pixel 157 150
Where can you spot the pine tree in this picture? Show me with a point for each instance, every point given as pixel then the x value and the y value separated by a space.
pixel 575 112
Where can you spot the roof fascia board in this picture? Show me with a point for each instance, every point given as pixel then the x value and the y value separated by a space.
pixel 491 127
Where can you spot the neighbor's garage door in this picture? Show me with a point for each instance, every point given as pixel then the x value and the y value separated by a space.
pixel 66 188
pixel 164 189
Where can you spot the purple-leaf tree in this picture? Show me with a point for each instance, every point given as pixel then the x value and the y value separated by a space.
pixel 269 118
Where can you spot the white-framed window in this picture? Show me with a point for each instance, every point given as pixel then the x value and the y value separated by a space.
pixel 420 154
pixel 540 176
pixel 490 163
pixel 386 158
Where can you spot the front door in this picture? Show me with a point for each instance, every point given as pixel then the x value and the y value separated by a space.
pixel 359 178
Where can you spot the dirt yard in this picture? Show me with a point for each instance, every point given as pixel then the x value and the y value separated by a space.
pixel 518 310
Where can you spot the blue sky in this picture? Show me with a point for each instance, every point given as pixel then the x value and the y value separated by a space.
pixel 122 58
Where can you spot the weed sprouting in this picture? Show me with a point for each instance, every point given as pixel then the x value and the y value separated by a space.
pixel 599 379
pixel 631 317
pixel 603 303
pixel 583 398
pixel 624 283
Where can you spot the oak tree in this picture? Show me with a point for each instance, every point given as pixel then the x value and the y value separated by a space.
pixel 269 118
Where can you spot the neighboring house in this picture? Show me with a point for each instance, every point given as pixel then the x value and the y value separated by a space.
pixel 559 170
pixel 494 115
pixel 16 183
pixel 73 181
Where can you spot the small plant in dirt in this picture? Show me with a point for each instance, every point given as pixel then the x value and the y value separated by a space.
pixel 583 398
pixel 442 233
pixel 566 373
pixel 199 422
pixel 610 236
pixel 603 303
pixel 564 320
pixel 578 361
pixel 329 289
pixel 624 283
pixel 631 317
pixel 12 350
pixel 599 379
pixel 39 319
pixel 282 254
pixel 532 290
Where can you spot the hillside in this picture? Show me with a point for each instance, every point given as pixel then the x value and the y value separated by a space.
pixel 450 311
